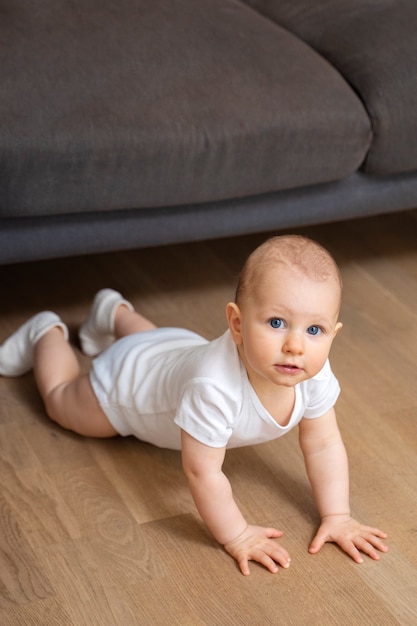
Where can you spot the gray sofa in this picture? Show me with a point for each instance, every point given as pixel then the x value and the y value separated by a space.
pixel 128 123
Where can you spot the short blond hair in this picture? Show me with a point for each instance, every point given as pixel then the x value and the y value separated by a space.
pixel 308 256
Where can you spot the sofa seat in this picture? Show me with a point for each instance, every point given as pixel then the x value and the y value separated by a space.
pixel 111 105
pixel 373 44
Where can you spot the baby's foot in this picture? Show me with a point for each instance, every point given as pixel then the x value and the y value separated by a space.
pixel 16 353
pixel 97 332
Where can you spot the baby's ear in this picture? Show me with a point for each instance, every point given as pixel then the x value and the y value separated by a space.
pixel 233 315
pixel 338 328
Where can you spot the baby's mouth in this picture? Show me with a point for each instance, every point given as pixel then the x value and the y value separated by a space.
pixel 288 368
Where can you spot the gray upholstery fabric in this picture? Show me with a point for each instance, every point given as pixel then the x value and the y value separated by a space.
pixel 373 43
pixel 30 238
pixel 112 104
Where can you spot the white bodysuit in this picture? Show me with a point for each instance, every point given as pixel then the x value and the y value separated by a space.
pixel 153 384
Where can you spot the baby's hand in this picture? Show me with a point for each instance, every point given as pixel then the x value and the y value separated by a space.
pixel 256 544
pixel 351 536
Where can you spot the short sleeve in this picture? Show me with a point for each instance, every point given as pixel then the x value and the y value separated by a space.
pixel 207 412
pixel 320 393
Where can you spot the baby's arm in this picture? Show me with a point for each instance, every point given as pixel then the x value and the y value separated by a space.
pixel 214 500
pixel 327 468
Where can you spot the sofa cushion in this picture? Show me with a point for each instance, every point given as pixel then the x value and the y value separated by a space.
pixel 374 46
pixel 109 104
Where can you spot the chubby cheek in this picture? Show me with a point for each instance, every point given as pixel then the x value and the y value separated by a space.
pixel 317 359
pixel 258 350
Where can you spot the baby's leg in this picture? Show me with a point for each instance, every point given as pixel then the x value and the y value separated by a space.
pixel 68 396
pixel 16 353
pixel 127 322
pixel 104 323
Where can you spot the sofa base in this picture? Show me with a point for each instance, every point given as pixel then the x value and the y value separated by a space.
pixel 26 239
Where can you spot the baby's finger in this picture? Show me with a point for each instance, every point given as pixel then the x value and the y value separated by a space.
pixel 372 546
pixel 268 562
pixel 270 558
pixel 243 563
pixel 277 554
pixel 352 550
pixel 318 542
pixel 273 532
pixel 375 532
pixel 367 548
pixel 281 557
pixel 377 542
pixel 363 545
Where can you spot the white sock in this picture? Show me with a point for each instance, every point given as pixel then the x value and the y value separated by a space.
pixel 16 353
pixel 97 332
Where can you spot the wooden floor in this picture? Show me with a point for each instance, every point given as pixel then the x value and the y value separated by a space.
pixel 105 532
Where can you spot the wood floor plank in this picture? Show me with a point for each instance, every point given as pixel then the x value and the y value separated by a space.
pixel 149 480
pixel 22 579
pixel 49 612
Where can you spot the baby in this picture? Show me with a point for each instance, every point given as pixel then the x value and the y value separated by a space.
pixel 268 373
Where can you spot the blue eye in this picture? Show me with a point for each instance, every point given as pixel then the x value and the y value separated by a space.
pixel 314 330
pixel 276 322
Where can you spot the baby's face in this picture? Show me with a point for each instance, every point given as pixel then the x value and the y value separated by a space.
pixel 285 329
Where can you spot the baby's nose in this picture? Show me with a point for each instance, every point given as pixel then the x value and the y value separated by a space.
pixel 294 343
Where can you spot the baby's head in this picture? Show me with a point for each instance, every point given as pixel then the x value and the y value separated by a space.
pixel 291 252
pixel 285 315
